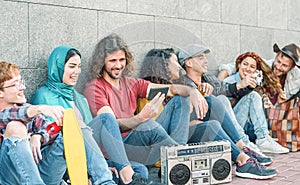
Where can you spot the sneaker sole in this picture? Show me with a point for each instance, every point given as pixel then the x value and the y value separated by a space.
pixel 274 152
pixel 266 164
pixel 252 176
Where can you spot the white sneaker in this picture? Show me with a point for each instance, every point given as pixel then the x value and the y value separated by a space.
pixel 255 148
pixel 268 145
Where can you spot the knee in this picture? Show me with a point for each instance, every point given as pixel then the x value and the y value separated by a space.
pixel 214 125
pixel 182 100
pixel 255 96
pixel 16 128
pixel 158 130
pixel 223 99
pixel 106 119
pixel 214 101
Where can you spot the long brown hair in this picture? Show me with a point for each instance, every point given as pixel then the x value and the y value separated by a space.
pixel 105 46
pixel 270 80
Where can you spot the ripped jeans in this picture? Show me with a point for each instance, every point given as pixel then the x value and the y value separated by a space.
pixel 18 166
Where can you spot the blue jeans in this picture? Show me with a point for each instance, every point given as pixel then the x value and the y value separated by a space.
pixel 107 135
pixel 227 106
pixel 17 164
pixel 137 168
pixel 211 131
pixel 18 167
pixel 144 140
pixel 250 109
pixel 175 118
pixel 171 127
pixel 96 164
pixel 217 111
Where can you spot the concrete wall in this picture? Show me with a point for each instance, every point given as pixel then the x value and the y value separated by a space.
pixel 30 29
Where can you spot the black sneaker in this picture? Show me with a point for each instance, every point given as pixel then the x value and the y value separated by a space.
pixel 266 161
pixel 136 180
pixel 253 170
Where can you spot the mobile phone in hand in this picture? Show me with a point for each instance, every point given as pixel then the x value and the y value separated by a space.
pixel 154 91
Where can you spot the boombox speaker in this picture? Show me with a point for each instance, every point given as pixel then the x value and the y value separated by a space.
pixel 196 164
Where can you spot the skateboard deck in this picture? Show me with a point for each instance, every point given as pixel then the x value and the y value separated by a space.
pixel 74 149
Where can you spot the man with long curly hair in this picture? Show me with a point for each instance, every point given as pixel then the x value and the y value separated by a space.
pixel 111 93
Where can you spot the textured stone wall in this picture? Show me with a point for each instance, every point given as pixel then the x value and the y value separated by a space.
pixel 30 29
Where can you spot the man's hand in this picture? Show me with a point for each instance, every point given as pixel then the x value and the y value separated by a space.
pixel 199 103
pixel 35 141
pixel 282 97
pixel 206 89
pixel 152 108
pixel 55 112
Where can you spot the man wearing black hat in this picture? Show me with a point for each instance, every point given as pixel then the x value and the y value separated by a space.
pixel 192 58
pixel 285 65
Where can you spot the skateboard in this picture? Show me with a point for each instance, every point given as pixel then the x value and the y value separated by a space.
pixel 74 149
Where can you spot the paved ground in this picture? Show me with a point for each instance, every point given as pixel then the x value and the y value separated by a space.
pixel 288 166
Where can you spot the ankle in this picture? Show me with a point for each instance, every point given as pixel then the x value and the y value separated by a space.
pixel 242 159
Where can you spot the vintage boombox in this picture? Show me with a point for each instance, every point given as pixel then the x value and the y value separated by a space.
pixel 197 163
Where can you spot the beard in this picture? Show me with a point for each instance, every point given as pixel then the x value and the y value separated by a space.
pixel 111 75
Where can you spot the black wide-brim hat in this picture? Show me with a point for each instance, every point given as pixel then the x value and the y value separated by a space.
pixel 291 50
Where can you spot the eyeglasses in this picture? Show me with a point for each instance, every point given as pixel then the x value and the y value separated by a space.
pixel 18 85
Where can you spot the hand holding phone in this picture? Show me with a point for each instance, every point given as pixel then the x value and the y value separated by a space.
pixel 154 91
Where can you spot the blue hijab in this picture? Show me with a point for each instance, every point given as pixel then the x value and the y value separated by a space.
pixel 55 92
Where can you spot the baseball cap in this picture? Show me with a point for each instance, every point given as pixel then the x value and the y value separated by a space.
pixel 191 50
pixel 291 50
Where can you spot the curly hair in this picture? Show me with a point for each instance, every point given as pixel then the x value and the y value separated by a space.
pixel 108 45
pixel 155 64
pixel 271 81
pixel 7 72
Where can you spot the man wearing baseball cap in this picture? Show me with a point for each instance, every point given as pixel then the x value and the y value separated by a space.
pixel 285 65
pixel 192 58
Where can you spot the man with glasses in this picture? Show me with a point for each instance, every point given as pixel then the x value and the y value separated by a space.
pixel 28 153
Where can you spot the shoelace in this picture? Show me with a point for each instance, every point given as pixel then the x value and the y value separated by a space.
pixel 251 152
pixel 255 163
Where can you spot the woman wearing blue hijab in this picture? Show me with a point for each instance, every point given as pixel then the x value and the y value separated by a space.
pixel 63 71
pixel 64 68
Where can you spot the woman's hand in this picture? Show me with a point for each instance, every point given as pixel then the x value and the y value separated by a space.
pixel 249 80
pixel 114 171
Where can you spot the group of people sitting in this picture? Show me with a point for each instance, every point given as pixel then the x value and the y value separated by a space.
pixel 121 141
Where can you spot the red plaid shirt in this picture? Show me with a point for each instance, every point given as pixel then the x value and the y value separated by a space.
pixel 36 125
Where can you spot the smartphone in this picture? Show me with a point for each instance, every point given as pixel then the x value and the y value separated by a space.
pixel 154 91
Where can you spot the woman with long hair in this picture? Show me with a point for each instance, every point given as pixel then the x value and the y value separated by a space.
pixel 161 66
pixel 248 107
